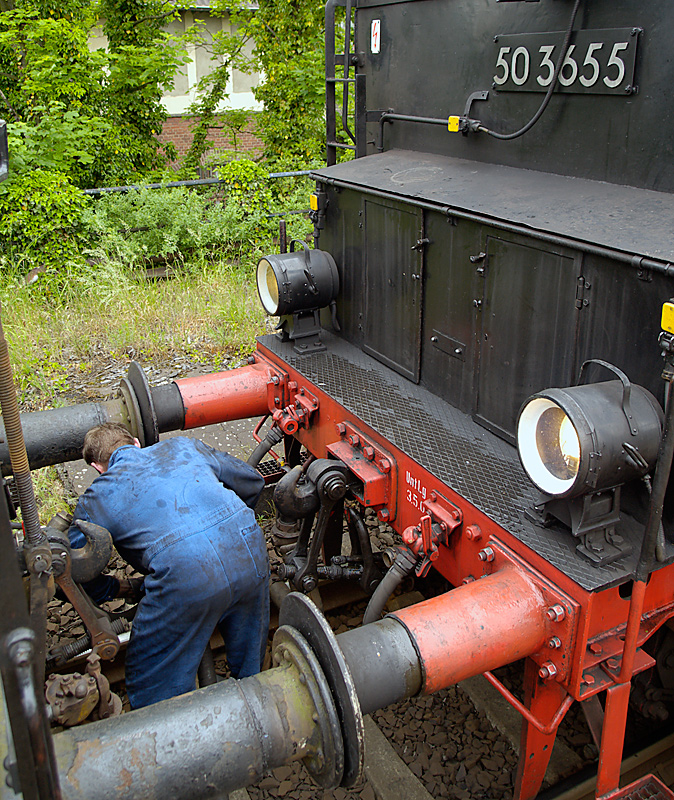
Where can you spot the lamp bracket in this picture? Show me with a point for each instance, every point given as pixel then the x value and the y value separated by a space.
pixel 303 328
pixel 592 519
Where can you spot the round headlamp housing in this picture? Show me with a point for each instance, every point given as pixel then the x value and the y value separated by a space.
pixel 297 281
pixel 590 437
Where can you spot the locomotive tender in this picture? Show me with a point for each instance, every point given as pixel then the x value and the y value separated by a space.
pixel 473 350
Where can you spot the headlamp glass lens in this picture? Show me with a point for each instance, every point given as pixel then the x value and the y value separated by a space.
pixel 549 446
pixel 557 443
pixel 267 286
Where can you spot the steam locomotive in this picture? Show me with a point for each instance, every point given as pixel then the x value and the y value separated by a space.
pixel 478 349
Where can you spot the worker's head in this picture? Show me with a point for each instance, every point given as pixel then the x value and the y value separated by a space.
pixel 102 441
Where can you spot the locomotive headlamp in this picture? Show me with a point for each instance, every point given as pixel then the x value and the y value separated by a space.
pixel 301 281
pixel 579 445
pixel 295 286
pixel 589 437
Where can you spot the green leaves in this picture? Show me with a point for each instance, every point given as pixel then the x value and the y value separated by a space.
pixel 79 118
pixel 40 218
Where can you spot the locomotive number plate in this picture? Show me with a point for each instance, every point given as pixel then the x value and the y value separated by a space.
pixel 597 62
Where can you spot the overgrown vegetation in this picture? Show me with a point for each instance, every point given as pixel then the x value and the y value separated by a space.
pixel 288 37
pixel 72 269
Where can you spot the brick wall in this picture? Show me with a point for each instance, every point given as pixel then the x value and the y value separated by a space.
pixel 179 131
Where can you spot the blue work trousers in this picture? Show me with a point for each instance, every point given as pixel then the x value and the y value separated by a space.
pixel 215 577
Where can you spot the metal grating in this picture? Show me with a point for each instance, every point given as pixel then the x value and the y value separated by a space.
pixel 449 444
pixel 647 788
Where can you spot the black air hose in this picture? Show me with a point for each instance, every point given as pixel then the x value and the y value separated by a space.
pixel 272 438
pixel 551 89
pixel 402 566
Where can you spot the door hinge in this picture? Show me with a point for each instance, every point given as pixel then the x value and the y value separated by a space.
pixel 582 286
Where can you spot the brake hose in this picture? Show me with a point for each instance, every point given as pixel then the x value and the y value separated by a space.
pixel 548 95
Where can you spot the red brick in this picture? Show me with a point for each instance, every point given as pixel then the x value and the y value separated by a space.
pixel 178 130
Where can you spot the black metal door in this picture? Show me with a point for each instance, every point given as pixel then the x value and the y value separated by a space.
pixel 392 285
pixel 528 331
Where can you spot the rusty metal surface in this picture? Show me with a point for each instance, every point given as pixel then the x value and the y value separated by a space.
pixel 203 744
pixel 475 463
pixel 620 217
pixel 647 788
pixel 299 612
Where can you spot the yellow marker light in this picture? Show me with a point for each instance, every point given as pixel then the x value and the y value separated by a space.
pixel 453 124
pixel 313 202
pixel 667 321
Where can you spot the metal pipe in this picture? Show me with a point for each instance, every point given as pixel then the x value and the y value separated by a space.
pixel 663 469
pixel 476 627
pixel 201 744
pixel 57 435
pixel 384 663
pixel 226 736
pixel 206 674
pixel 403 565
pixel 223 396
pixel 176 184
pixel 630 259
pixel 389 116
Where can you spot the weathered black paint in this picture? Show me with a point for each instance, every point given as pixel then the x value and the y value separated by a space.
pixel 435 53
pixel 538 253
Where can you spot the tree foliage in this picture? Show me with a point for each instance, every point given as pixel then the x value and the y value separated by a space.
pixel 289 51
pixel 79 118
pixel 288 37
pixel 53 86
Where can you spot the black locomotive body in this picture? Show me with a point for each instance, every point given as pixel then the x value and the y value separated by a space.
pixel 473 351
pixel 484 269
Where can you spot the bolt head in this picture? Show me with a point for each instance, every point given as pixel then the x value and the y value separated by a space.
pixel 595 648
pixel 341 428
pixel 555 643
pixel 486 554
pixel 548 670
pixel 384 514
pixel 556 613
pixel 473 533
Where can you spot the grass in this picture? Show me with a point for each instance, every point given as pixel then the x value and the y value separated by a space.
pixel 210 309
pixel 79 317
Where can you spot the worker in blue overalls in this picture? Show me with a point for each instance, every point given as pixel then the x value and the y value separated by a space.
pixel 181 513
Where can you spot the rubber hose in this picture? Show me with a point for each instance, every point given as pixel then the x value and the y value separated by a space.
pixel 273 437
pixel 403 565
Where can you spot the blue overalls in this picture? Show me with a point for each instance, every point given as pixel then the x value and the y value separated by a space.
pixel 181 512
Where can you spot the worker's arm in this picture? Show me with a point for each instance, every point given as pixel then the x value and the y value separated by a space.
pixel 241 478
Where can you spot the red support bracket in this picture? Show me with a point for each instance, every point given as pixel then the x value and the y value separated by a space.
pixel 298 412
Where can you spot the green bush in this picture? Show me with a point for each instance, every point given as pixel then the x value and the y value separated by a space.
pixel 130 228
pixel 41 220
pixel 184 223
